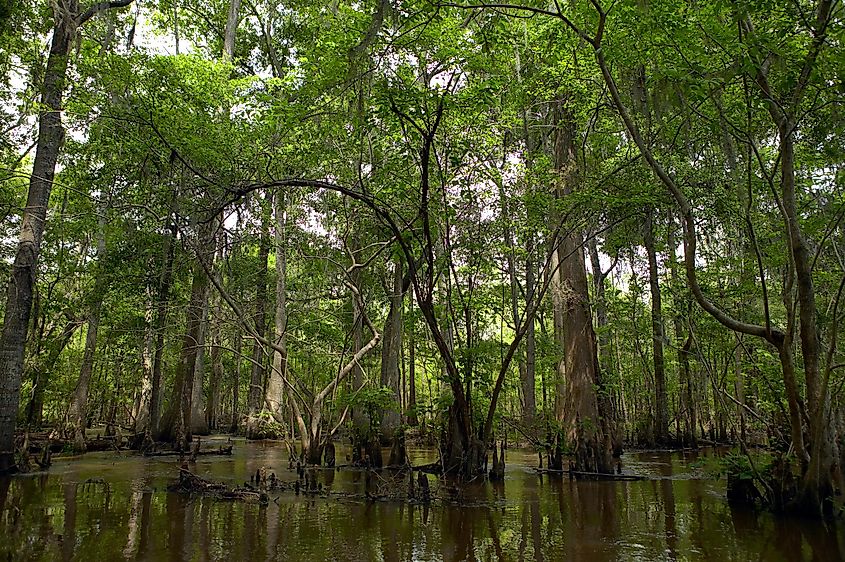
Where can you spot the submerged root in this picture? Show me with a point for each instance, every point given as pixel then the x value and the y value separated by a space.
pixel 392 486
pixel 192 484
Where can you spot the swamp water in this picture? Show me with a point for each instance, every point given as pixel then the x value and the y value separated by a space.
pixel 110 506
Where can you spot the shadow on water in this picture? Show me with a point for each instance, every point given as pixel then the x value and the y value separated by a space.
pixel 115 507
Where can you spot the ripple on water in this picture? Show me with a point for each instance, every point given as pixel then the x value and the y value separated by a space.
pixel 108 506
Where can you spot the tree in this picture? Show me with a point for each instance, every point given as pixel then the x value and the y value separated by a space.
pixel 68 17
pixel 578 411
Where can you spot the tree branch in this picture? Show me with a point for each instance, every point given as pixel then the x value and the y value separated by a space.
pixel 99 8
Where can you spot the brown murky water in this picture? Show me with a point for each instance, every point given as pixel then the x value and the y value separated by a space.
pixel 115 507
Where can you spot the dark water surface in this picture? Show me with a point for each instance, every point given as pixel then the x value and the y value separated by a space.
pixel 109 506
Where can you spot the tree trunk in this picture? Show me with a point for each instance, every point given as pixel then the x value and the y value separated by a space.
pixel 660 397
pixel 41 377
pixel 689 408
pixel 199 424
pixel 213 411
pixel 529 376
pixel 20 289
pixel 175 425
pixel 739 389
pixel 526 385
pixel 559 380
pixel 78 410
pixel 275 383
pixel 413 418
pixel 141 410
pixel 614 413
pixel 360 422
pixel 584 425
pixel 161 316
pixel 391 352
pixel 214 318
pixel 817 484
pixel 236 382
pixel 230 32
pixel 255 396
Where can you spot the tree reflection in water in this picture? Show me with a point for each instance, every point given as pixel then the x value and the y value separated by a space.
pixel 128 515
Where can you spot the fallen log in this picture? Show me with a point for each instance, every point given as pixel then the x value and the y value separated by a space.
pixel 592 475
pixel 227 450
pixel 192 484
pixel 430 468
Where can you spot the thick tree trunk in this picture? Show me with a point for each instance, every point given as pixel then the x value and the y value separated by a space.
pixel 391 351
pixel 141 410
pixel 255 397
pixel 18 308
pixel 161 317
pixel 275 382
pixel 175 425
pixel 661 400
pixel 559 381
pixel 585 426
pixel 612 409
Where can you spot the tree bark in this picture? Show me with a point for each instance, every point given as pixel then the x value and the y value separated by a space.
pixel 229 34
pixel 78 410
pixel 360 422
pixel 199 423
pixel 391 351
pixel 275 383
pixel 175 425
pixel 234 426
pixel 689 408
pixel 43 368
pixel 141 410
pixel 613 410
pixel 657 334
pixel 584 425
pixel 217 373
pixel 19 294
pixel 413 417
pixel 161 316
pixel 529 377
pixel 255 397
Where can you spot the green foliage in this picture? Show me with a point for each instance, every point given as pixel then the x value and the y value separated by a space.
pixel 348 95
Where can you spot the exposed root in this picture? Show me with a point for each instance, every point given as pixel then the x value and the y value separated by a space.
pixel 191 484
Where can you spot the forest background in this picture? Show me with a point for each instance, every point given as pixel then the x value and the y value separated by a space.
pixel 583 225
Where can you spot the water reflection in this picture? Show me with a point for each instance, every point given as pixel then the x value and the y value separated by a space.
pixel 104 507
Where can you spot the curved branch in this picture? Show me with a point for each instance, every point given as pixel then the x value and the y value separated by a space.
pixel 99 8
